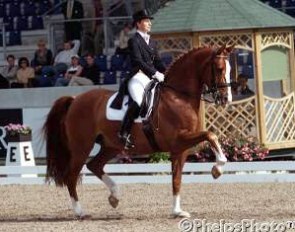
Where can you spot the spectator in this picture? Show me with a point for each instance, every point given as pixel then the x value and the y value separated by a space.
pixel 25 74
pixel 243 88
pixel 240 89
pixel 73 9
pixel 42 57
pixel 90 74
pixel 123 40
pixel 74 70
pixel 64 56
pixel 8 74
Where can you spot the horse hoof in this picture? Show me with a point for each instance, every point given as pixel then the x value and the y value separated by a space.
pixel 113 201
pixel 216 171
pixel 181 214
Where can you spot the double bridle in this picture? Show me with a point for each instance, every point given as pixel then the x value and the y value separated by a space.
pixel 214 90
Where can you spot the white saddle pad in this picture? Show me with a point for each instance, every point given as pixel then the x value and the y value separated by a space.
pixel 117 115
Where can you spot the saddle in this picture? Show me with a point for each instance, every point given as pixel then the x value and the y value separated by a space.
pixel 149 105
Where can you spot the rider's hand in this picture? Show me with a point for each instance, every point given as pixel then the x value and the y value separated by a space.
pixel 159 76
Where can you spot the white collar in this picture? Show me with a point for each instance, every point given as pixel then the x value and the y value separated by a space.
pixel 145 36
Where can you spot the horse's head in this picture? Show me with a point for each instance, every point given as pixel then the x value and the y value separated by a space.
pixel 219 83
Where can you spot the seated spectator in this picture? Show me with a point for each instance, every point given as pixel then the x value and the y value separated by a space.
pixel 42 57
pixel 25 74
pixel 69 50
pixel 240 89
pixel 243 88
pixel 74 70
pixel 8 74
pixel 90 74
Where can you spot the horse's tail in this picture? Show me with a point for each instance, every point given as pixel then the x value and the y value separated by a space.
pixel 57 152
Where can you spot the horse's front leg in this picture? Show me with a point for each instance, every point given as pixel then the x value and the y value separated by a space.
pixel 220 157
pixel 178 160
pixel 190 140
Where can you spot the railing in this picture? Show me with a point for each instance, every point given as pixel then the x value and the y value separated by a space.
pixel 235 172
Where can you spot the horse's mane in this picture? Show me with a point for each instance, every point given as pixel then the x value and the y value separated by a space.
pixel 171 68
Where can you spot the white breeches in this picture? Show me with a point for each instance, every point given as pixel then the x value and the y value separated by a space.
pixel 136 86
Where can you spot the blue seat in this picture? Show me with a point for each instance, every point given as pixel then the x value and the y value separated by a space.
pixel 22 23
pixel 275 3
pixel 43 7
pixel 14 9
pixel 290 3
pixel 2 10
pixel 101 62
pixel 30 8
pixel 37 22
pixel 117 62
pixel 109 78
pixel 14 38
pixel 8 23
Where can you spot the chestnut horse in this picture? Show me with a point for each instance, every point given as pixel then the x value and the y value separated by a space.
pixel 74 125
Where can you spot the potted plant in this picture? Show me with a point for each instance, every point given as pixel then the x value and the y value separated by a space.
pixel 18 133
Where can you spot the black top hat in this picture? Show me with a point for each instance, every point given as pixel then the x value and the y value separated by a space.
pixel 142 14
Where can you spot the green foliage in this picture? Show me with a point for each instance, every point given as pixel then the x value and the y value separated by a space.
pixel 159 157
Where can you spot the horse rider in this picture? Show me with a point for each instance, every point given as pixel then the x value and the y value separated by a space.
pixel 146 65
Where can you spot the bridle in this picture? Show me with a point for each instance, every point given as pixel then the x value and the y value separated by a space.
pixel 215 87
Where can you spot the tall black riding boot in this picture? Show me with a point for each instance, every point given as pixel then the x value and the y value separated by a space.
pixel 124 134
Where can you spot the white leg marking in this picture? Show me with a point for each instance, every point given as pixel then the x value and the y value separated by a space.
pixel 177 211
pixel 111 185
pixel 220 157
pixel 77 207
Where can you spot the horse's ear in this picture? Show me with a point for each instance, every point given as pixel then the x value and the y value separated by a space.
pixel 221 49
pixel 230 48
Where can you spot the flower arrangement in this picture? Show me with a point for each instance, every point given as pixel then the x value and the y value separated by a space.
pixel 234 148
pixel 17 129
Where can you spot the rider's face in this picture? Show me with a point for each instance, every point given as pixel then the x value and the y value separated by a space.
pixel 144 25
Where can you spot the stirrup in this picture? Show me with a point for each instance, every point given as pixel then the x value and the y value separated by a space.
pixel 128 143
pixel 126 139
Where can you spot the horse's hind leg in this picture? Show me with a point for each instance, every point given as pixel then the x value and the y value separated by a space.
pixel 72 188
pixel 96 166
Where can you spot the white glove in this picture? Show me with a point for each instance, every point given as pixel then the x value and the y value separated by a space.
pixel 159 76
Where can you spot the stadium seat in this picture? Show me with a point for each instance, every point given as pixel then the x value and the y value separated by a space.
pixel 2 10
pixel 124 74
pixel 43 7
pixel 275 3
pixel 117 62
pixel 101 62
pixel 37 22
pixel 14 9
pixel 290 12
pixel 30 8
pixel 14 38
pixel 9 25
pixel 22 23
pixel 290 3
pixel 109 78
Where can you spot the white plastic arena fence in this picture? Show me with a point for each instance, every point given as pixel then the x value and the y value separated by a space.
pixel 235 172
